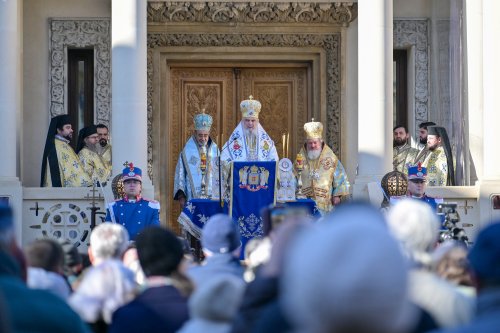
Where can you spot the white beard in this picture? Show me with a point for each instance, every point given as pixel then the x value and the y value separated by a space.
pixel 250 131
pixel 313 154
pixel 99 149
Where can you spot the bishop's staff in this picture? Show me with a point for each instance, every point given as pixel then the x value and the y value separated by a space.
pixel 221 137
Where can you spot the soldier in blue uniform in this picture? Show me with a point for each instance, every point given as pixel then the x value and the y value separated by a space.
pixel 133 211
pixel 417 175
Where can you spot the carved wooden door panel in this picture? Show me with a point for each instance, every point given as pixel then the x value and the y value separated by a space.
pixel 191 91
pixel 283 92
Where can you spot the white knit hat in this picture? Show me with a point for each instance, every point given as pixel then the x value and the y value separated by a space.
pixel 347 274
pixel 416 227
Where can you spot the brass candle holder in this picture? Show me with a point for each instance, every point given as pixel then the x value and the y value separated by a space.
pixel 203 168
pixel 299 163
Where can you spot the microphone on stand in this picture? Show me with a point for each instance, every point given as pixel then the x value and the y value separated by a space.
pixel 221 199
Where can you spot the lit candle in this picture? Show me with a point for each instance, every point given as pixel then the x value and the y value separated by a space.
pixel 300 162
pixel 203 163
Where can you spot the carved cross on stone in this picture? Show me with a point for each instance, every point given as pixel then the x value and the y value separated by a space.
pixel 92 194
pixel 36 208
pixel 465 207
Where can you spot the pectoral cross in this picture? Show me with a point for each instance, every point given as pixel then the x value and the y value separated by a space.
pixel 314 174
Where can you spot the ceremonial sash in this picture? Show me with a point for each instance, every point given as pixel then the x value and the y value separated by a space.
pixel 191 159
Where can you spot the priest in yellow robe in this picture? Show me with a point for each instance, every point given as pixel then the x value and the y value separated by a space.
pixel 323 177
pixel 437 157
pixel 93 163
pixel 403 154
pixel 61 166
pixel 104 146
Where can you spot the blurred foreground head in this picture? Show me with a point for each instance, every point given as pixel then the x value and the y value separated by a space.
pixel 108 241
pixel 159 250
pixel 347 275
pixel 6 225
pixel 484 257
pixel 416 226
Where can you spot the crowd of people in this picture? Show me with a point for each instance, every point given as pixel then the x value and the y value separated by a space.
pixel 354 268
pixel 357 269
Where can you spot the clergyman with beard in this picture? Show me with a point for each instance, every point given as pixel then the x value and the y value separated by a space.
pixel 60 164
pixel 422 134
pixel 323 177
pixel 188 174
pixel 437 157
pixel 403 154
pixel 87 149
pixel 104 147
pixel 249 141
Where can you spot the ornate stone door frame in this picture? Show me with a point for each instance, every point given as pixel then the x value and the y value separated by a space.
pixel 413 35
pixel 276 30
pixel 80 33
pixel 163 57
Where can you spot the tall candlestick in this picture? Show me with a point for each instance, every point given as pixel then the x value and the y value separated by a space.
pixel 299 162
pixel 203 168
pixel 287 144
pixel 283 143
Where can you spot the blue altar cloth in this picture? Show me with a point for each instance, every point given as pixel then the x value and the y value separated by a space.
pixel 197 212
pixel 252 187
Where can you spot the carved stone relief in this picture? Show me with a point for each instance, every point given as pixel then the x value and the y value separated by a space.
pixel 66 218
pixel 329 42
pixel 339 13
pixel 414 33
pixel 185 14
pixel 441 93
pixel 190 96
pixel 80 33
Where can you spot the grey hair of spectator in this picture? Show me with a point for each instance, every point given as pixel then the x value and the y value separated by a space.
pixel 416 226
pixel 108 240
pixel 347 275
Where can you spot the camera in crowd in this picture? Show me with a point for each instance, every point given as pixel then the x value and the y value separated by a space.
pixel 447 211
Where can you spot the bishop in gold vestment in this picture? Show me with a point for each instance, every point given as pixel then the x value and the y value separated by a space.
pixel 323 177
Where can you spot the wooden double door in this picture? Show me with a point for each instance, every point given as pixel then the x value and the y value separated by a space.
pixel 283 89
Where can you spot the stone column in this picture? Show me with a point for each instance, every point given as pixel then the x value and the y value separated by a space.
pixel 9 87
pixel 129 85
pixel 491 82
pixel 474 74
pixel 374 94
pixel 490 181
pixel 10 106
